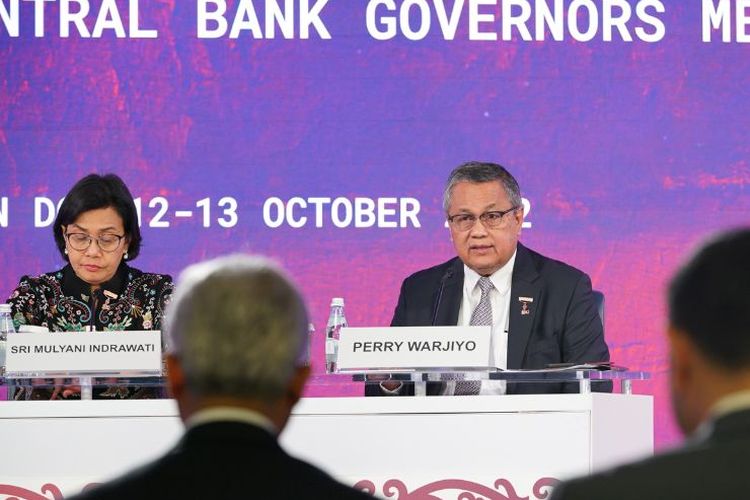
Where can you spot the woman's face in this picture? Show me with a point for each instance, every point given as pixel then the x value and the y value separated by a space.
pixel 84 239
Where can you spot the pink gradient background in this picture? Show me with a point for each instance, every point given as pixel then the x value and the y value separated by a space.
pixel 631 153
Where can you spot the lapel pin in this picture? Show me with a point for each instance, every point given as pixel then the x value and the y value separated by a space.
pixel 525 301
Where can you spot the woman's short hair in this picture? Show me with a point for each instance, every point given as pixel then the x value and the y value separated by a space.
pixel 99 191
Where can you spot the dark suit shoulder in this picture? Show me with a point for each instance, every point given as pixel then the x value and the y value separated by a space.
pixel 560 280
pixel 420 293
pixel 315 480
pixel 432 275
pixel 697 471
pixel 551 268
pixel 225 460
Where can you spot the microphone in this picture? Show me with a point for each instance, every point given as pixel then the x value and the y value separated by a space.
pixel 443 279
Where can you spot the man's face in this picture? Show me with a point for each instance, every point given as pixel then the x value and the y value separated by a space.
pixel 483 249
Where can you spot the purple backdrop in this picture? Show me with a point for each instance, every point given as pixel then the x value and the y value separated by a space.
pixel 629 152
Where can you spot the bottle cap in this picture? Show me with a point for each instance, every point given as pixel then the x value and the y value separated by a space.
pixel 5 308
pixel 337 301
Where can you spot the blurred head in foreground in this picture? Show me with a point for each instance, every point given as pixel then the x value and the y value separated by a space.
pixel 709 327
pixel 237 335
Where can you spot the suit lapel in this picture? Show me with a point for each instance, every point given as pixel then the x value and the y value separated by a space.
pixel 453 292
pixel 524 301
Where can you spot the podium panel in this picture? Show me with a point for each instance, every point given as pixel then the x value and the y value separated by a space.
pixel 494 446
pixel 498 447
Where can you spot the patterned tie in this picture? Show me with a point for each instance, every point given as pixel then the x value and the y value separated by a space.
pixel 482 316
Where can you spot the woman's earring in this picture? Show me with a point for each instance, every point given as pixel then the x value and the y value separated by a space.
pixel 125 256
pixel 66 251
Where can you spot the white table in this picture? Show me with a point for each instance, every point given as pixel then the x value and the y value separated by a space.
pixel 497 446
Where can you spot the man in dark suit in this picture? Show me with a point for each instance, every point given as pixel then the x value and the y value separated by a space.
pixel 542 310
pixel 709 342
pixel 238 333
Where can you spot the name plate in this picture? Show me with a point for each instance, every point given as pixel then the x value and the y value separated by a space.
pixel 129 353
pixel 414 348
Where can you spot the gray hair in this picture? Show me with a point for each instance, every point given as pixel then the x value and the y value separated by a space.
pixel 477 172
pixel 238 326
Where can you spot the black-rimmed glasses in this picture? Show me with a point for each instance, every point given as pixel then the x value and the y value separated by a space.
pixel 494 219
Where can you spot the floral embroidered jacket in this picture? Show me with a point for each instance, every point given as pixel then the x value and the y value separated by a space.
pixel 61 301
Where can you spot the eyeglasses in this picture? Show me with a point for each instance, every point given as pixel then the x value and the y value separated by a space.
pixel 106 242
pixel 492 220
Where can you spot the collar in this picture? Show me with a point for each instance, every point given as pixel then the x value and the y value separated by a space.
pixel 731 403
pixel 501 278
pixel 73 286
pixel 230 414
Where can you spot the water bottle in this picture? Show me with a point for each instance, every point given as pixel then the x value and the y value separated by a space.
pixel 336 320
pixel 6 327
